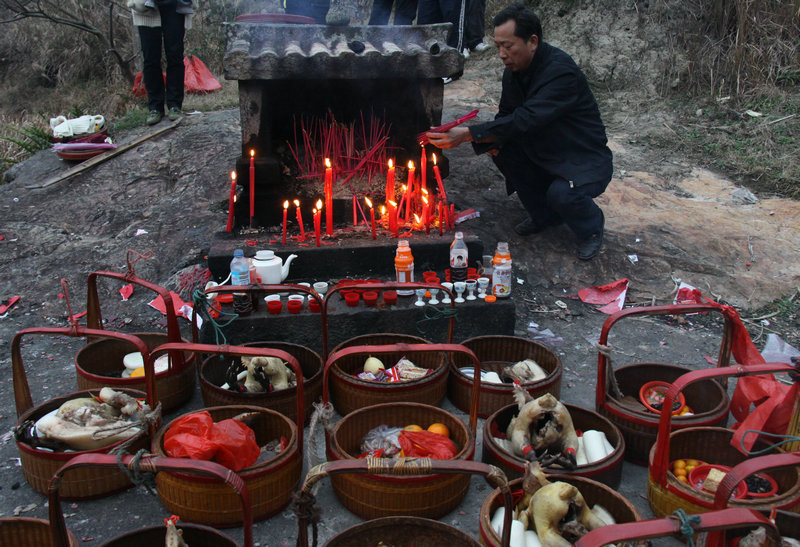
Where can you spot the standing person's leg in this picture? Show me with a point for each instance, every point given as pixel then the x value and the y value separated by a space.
pixel 454 11
pixel 474 27
pixel 405 11
pixel 429 12
pixel 150 38
pixel 172 25
pixel 381 10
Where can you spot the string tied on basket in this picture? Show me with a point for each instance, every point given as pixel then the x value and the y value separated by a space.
pixel 688 523
pixel 305 509
pixel 145 479
pixel 142 420
pixel 201 307
pixel 432 313
pixel 785 440
pixel 611 379
pixel 322 415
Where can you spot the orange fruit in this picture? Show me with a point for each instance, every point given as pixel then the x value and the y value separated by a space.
pixel 412 427
pixel 679 464
pixel 693 463
pixel 680 472
pixel 683 478
pixel 439 428
pixel 688 468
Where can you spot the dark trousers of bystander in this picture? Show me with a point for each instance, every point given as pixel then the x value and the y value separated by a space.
pixel 445 11
pixel 404 12
pixel 550 199
pixel 171 32
pixel 474 23
pixel 310 8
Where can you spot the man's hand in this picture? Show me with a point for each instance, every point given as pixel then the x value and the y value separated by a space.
pixel 450 139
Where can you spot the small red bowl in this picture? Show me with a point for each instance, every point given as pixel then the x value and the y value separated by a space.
pixel 352 298
pixel 274 307
pixel 294 306
pixel 428 275
pixel 313 305
pixel 652 395
pixel 698 475
pixel 773 486
pixel 370 298
pixel 390 297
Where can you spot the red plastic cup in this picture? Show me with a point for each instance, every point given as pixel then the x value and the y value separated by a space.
pixel 313 305
pixel 274 307
pixel 472 273
pixel 390 297
pixel 352 299
pixel 294 306
pixel 427 276
pixel 370 298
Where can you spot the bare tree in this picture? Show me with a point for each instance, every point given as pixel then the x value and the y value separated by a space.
pixel 95 17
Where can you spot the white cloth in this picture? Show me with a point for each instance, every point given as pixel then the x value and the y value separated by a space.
pixel 62 127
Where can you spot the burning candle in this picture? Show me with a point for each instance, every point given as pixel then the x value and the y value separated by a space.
pixel 439 182
pixel 371 216
pixel 392 217
pixel 390 182
pixel 409 189
pixel 402 201
pixel 318 220
pixel 328 197
pixel 423 169
pixel 231 203
pixel 252 186
pixel 300 219
pixel 285 210
pixel 441 220
pixel 425 212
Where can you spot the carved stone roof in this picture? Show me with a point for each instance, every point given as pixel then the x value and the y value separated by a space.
pixel 258 51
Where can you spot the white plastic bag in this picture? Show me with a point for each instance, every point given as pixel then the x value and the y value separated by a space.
pixel 76 126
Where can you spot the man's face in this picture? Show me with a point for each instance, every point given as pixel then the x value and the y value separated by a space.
pixel 515 52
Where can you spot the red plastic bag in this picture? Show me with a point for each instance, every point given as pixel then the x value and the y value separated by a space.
pixel 424 444
pixel 196 79
pixel 229 442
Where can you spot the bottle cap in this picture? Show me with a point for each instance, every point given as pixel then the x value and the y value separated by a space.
pixel 238 252
pixel 490 298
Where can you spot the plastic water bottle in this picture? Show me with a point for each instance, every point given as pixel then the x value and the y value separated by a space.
pixel 459 259
pixel 404 265
pixel 501 272
pixel 240 269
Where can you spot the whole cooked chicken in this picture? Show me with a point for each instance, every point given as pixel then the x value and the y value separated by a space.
pixel 542 430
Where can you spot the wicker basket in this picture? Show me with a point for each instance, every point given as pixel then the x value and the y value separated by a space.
pixel 713 445
pixel 212 376
pixel 99 363
pixel 608 470
pixel 593 492
pixel 348 393
pixel 397 530
pixel 195 535
pixel 496 353
pixel 39 465
pixel 270 482
pixel 709 400
pixel 727 519
pixel 29 532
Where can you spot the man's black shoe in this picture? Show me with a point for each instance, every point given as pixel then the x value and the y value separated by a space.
pixel 588 248
pixel 530 226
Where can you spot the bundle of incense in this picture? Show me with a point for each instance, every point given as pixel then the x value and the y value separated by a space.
pixel 423 137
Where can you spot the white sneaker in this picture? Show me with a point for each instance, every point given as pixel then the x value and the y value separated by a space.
pixel 465 53
pixel 481 47
pixel 447 80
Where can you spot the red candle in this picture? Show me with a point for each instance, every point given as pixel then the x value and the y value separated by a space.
pixel 409 189
pixel 252 186
pixel 441 220
pixel 402 201
pixel 328 197
pixel 393 217
pixel 285 210
pixel 426 214
pixel 452 216
pixel 371 216
pixel 355 214
pixel 439 182
pixel 318 220
pixel 390 182
pixel 231 202
pixel 300 219
pixel 423 169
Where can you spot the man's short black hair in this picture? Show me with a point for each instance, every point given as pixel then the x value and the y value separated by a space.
pixel 527 23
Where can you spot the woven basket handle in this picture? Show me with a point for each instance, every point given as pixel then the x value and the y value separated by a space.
pixel 263 288
pixel 22 391
pixel 404 467
pixel 660 465
pixel 749 467
pixel 241 351
pixel 412 348
pixel 392 286
pixel 603 360
pixel 671 527
pixel 151 464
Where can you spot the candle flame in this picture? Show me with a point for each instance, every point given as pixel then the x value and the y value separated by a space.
pixel 416 217
pixel 313 211
pixel 391 164
pixel 425 200
pixel 252 153
pixel 319 205
pixel 410 164
pixel 286 204
pixel 434 158
pixel 369 203
pixel 425 191
pixel 392 203
pixel 328 163
pixel 383 209
pixel 233 175
pixel 404 188
pixel 296 203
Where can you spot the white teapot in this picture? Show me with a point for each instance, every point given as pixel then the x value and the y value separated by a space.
pixel 270 269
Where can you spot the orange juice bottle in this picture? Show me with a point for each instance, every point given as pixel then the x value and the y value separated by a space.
pixel 501 272
pixel 404 265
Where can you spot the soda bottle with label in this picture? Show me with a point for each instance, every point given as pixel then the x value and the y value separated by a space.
pixel 459 258
pixel 404 265
pixel 501 272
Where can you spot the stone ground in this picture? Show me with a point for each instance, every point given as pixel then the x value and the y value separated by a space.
pixel 666 220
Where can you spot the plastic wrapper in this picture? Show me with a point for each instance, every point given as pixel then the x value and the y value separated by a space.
pixel 405 370
pixel 424 444
pixel 382 438
pixel 228 442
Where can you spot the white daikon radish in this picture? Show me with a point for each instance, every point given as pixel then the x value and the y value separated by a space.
pixel 607 444
pixel 497 521
pixel 593 446
pixel 603 514
pixel 580 454
pixel 492 378
pixel 517 534
pixel 531 539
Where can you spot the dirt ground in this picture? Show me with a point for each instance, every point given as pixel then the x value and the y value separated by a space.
pixel 667 220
